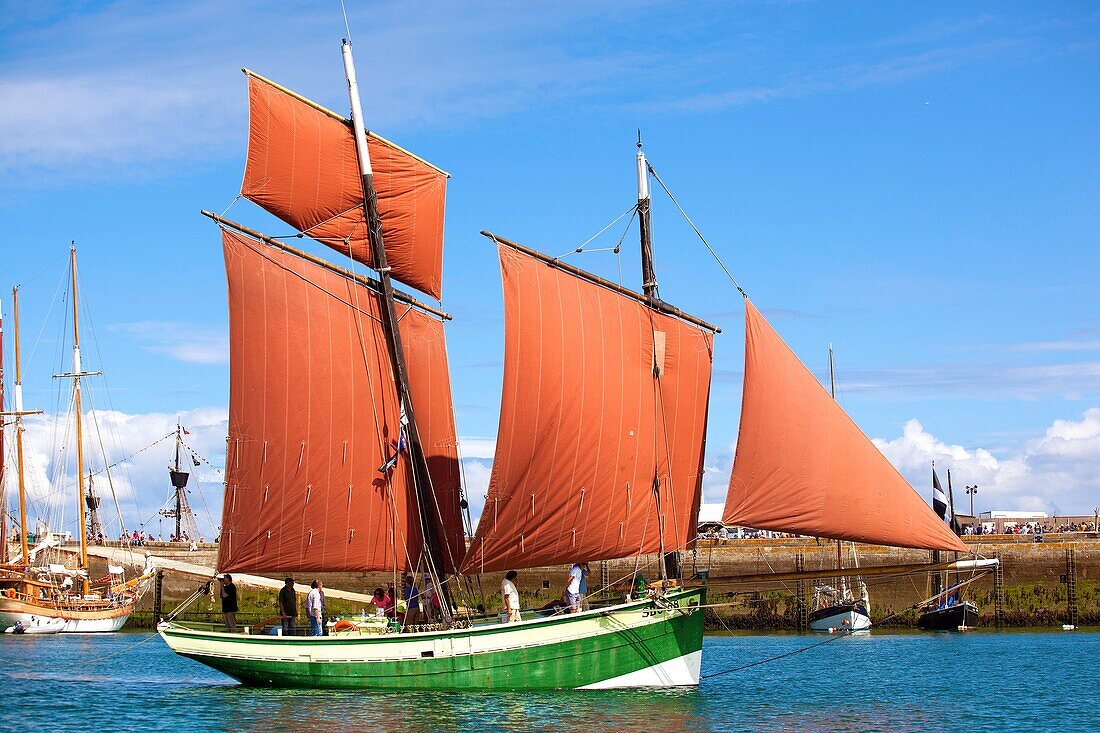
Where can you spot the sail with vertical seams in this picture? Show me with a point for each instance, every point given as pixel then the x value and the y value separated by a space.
pixel 602 425
pixel 803 465
pixel 302 167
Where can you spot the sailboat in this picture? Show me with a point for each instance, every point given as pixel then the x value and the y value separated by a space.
pixel 342 453
pixel 946 610
pixel 54 596
pixel 847 606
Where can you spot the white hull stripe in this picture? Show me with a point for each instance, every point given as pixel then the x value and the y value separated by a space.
pixel 681 671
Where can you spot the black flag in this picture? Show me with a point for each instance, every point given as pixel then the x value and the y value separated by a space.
pixel 939 499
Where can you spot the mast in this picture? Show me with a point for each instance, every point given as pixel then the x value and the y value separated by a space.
pixel 79 424
pixel 3 492
pixel 19 413
pixel 179 489
pixel 421 478
pixel 649 289
pixel 839 548
pixel 649 277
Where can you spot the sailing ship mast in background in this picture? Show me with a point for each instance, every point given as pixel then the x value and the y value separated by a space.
pixel 185 525
pixel 44 597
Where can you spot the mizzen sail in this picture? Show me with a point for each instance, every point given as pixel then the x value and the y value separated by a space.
pixel 302 167
pixel 804 466
pixel 313 416
pixel 602 396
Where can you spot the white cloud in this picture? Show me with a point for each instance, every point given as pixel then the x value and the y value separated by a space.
pixel 1057 472
pixel 139 481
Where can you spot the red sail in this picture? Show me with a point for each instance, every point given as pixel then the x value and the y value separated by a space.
pixel 804 466
pixel 302 167
pixel 313 415
pixel 430 384
pixel 601 396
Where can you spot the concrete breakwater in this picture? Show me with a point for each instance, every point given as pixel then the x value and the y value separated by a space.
pixel 1042 584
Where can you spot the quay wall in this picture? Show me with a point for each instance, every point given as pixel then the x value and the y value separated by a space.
pixel 1035 587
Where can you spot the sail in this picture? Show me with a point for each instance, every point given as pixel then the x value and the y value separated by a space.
pixel 803 466
pixel 302 167
pixel 425 350
pixel 601 396
pixel 313 416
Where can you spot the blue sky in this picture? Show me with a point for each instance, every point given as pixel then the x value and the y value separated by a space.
pixel 917 185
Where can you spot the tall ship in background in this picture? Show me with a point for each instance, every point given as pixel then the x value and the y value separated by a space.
pixel 342 452
pixel 43 588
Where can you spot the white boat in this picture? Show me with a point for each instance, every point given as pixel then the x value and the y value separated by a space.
pixel 37 625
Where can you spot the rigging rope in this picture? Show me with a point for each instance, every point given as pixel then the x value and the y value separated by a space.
pixel 698 233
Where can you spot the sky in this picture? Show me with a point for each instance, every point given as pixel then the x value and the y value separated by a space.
pixel 916 185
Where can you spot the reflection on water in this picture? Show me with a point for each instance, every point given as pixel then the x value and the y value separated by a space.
pixel 900 683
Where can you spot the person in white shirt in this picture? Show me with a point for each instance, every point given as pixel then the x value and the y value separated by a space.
pixel 315 608
pixel 573 586
pixel 511 596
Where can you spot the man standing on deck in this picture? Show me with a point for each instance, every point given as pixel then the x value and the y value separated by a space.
pixel 228 593
pixel 573 586
pixel 288 607
pixel 510 596
pixel 315 608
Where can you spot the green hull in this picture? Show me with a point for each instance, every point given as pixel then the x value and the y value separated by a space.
pixel 629 645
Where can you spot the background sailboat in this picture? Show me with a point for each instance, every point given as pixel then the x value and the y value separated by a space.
pixel 45 589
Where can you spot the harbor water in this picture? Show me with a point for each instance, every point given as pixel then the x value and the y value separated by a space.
pixel 979 682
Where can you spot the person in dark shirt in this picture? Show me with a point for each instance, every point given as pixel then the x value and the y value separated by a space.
pixel 228 594
pixel 288 607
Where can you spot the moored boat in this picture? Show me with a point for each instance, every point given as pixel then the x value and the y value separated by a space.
pixel 958 616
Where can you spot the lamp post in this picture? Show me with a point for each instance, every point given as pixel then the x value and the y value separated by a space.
pixel 971 490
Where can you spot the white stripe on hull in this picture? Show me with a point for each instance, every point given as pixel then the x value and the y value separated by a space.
pixel 844 621
pixel 680 672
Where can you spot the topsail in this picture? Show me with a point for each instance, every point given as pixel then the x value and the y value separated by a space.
pixel 302 167
pixel 804 466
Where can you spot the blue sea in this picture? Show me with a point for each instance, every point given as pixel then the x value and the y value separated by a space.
pixel 979 682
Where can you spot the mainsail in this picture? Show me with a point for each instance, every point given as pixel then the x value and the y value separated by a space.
pixel 602 425
pixel 314 413
pixel 804 466
pixel 302 167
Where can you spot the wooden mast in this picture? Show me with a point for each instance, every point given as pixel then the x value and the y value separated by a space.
pixel 3 494
pixel 839 548
pixel 422 484
pixel 77 407
pixel 19 413
pixel 649 289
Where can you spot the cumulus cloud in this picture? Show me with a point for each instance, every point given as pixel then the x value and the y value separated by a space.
pixel 138 449
pixel 1057 472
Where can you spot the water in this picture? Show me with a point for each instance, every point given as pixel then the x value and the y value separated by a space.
pixel 980 682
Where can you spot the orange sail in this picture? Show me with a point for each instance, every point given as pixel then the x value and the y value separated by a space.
pixel 302 167
pixel 313 416
pixel 803 466
pixel 602 395
pixel 430 384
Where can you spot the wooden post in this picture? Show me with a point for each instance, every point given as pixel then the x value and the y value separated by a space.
pixel 800 592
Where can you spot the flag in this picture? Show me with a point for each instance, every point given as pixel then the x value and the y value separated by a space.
pixel 186 431
pixel 195 460
pixel 391 463
pixel 939 499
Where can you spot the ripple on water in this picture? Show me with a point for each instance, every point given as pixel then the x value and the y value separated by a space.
pixel 900 683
